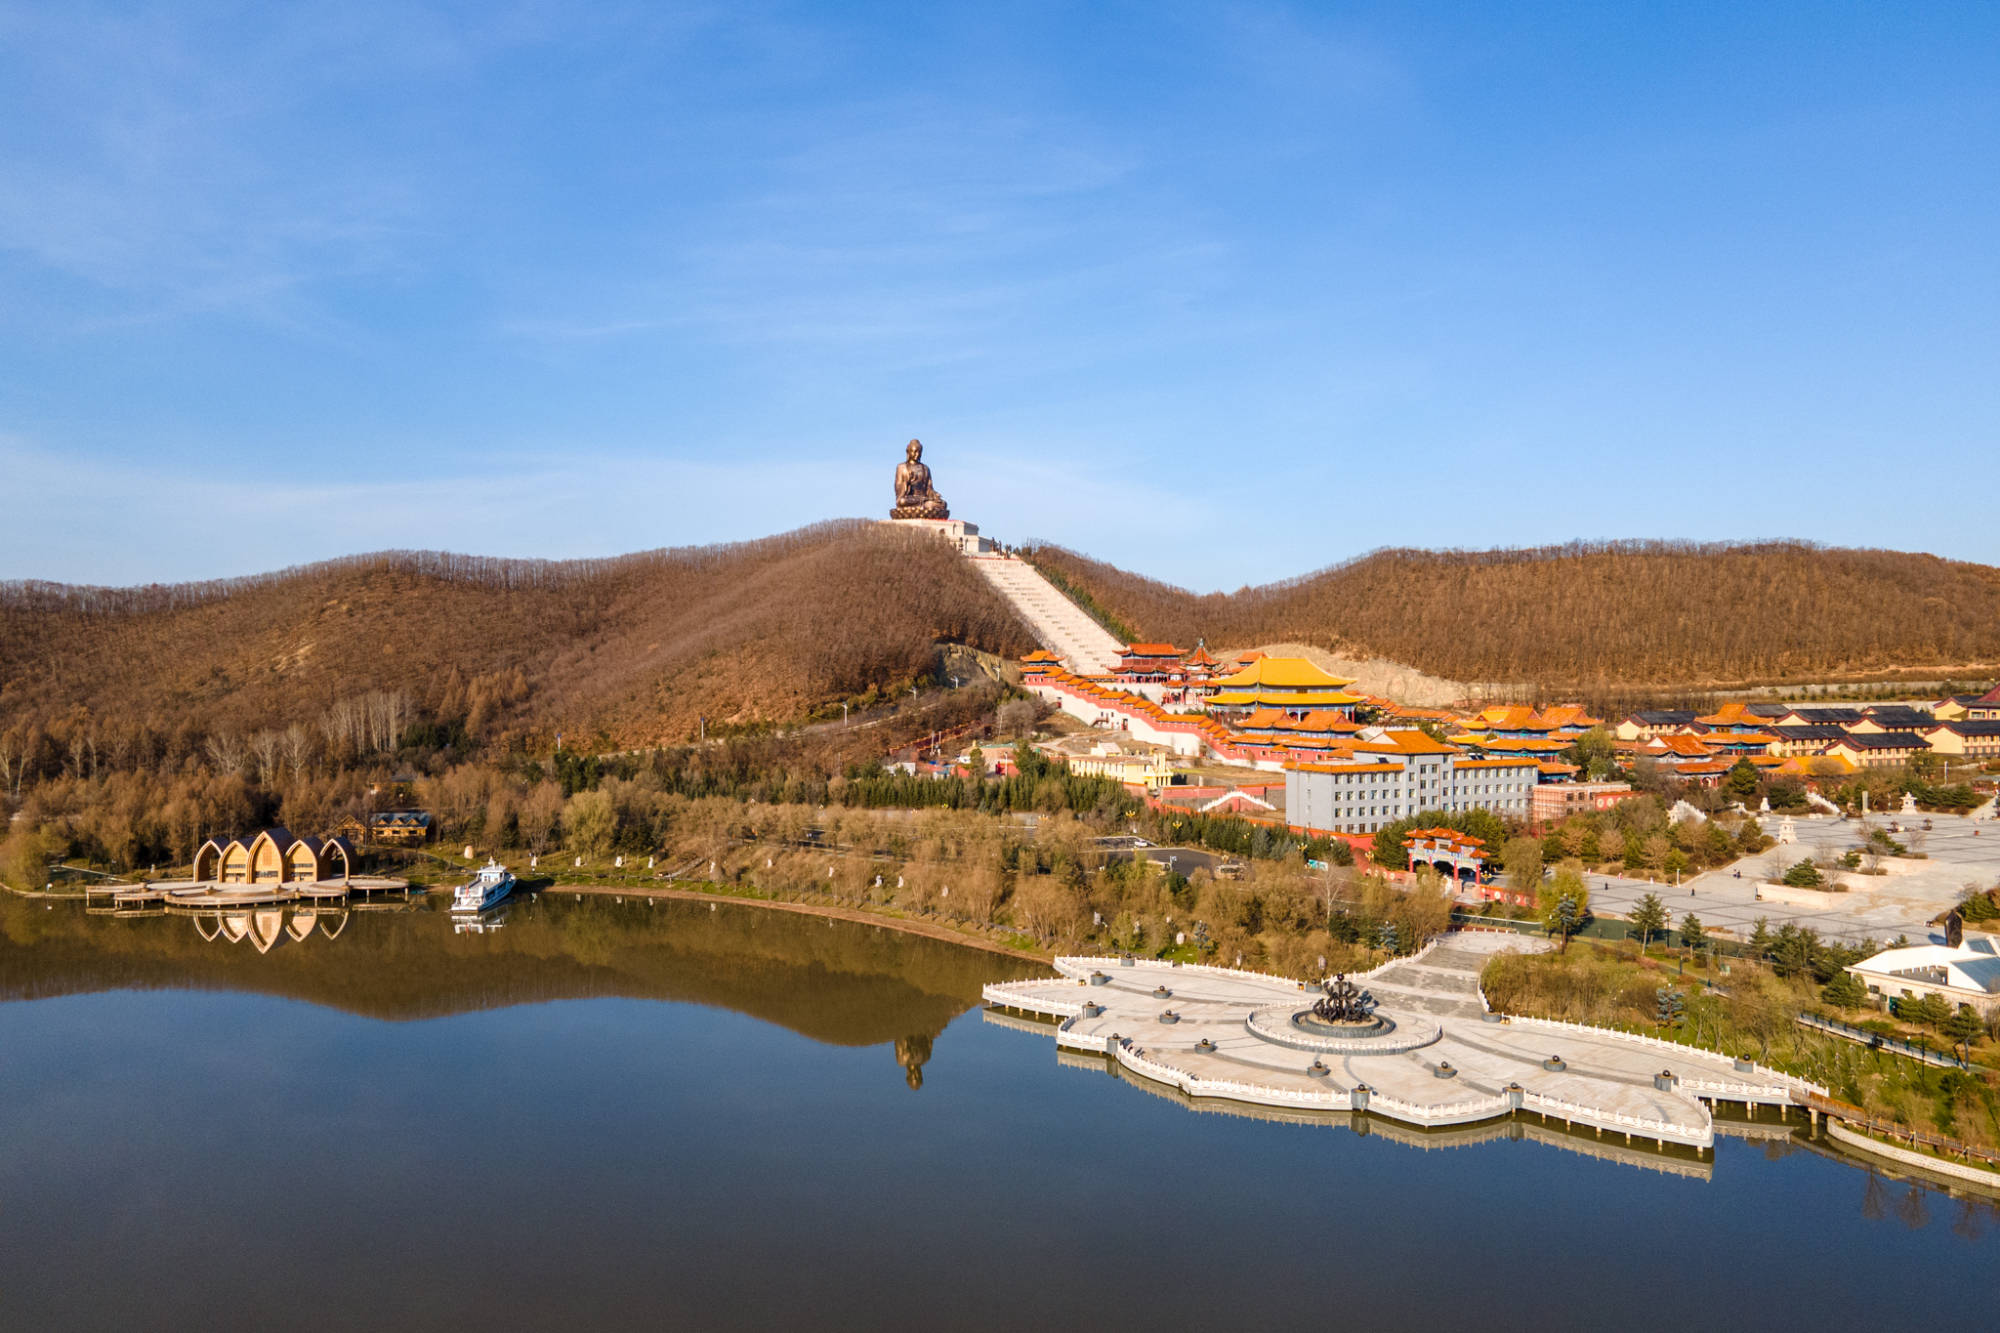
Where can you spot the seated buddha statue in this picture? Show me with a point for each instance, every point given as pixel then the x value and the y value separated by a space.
pixel 914 496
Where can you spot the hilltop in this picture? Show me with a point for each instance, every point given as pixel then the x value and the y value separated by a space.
pixel 1606 618
pixel 634 648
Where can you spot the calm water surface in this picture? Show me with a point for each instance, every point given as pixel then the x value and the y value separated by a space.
pixel 605 1116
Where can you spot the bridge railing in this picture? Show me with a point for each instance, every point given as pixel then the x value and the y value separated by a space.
pixel 1680 1049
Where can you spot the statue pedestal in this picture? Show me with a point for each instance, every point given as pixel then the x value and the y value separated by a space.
pixel 965 536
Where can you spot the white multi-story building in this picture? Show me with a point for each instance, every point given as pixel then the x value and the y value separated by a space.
pixel 1393 774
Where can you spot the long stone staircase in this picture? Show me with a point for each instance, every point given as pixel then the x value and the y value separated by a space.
pixel 1062 627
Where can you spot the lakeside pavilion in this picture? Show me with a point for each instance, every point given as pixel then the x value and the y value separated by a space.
pixel 274 857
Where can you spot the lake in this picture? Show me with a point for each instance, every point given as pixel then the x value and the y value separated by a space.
pixel 609 1115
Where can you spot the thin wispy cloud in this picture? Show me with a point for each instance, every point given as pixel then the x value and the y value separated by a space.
pixel 1125 267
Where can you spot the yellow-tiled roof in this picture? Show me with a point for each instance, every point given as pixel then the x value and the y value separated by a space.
pixel 1290 673
pixel 1279 698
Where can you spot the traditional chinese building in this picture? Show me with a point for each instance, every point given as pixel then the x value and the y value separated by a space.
pixel 1148 662
pixel 1291 684
pixel 1459 857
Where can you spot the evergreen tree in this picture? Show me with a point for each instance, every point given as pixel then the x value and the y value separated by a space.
pixel 1741 784
pixel 1564 904
pixel 1693 935
pixel 1649 918
pixel 1845 992
pixel 1804 875
pixel 1963 1028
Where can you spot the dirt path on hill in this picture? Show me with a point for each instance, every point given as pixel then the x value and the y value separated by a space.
pixel 904 924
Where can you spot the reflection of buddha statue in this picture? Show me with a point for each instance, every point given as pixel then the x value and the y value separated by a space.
pixel 911 1052
pixel 914 496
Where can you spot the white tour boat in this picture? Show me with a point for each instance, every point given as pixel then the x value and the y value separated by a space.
pixel 493 882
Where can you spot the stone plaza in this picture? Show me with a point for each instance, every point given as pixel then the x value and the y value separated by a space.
pixel 1443 1061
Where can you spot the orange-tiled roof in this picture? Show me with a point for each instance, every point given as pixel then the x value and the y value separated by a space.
pixel 1689 746
pixel 1520 717
pixel 1264 719
pixel 1345 768
pixel 1804 765
pixel 1552 768
pixel 1450 835
pixel 1503 717
pixel 1571 715
pixel 1406 742
pixel 1321 719
pixel 1531 744
pixel 1151 650
pixel 1200 657
pixel 1730 715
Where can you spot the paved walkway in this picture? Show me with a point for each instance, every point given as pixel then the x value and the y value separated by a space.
pixel 1608 1081
pixel 1958 852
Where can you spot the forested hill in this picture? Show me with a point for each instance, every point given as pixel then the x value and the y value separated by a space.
pixel 1605 616
pixel 636 646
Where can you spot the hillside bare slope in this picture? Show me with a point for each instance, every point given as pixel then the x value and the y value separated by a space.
pixel 637 646
pixel 1584 617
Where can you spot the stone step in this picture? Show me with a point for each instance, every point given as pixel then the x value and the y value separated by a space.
pixel 1059 625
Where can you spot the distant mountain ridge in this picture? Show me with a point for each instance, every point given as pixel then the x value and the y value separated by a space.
pixel 1597 616
pixel 637 649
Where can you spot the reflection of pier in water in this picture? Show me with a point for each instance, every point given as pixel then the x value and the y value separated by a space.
pixel 265 928
pixel 1521 1126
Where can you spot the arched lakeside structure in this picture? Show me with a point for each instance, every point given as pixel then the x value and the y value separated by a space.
pixel 274 856
pixel 269 868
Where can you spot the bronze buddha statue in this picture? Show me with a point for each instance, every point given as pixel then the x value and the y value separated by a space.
pixel 914 496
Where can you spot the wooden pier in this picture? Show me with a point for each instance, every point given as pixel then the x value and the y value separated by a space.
pixel 156 896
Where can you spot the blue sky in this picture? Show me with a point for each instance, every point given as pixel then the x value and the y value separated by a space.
pixel 1222 293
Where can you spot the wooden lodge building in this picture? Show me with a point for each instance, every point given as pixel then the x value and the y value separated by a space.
pixel 402 827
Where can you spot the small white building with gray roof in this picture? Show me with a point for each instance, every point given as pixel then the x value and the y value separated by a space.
pixel 1968 974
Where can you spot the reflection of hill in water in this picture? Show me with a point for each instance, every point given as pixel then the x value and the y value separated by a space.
pixel 833 981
